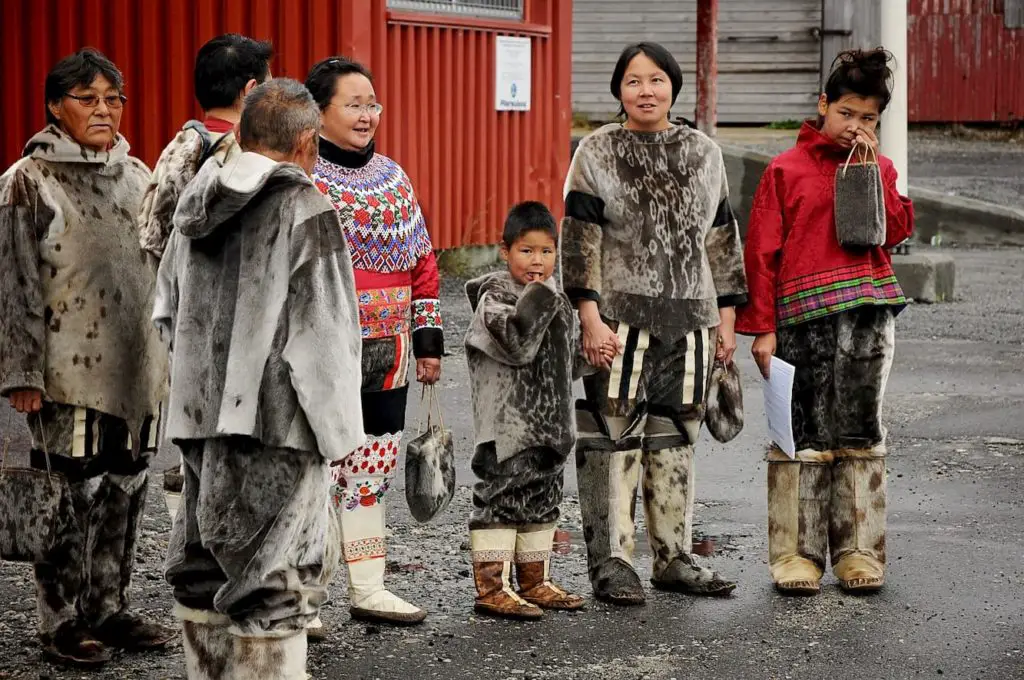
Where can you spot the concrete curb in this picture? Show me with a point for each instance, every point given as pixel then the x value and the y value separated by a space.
pixel 925 277
pixel 956 219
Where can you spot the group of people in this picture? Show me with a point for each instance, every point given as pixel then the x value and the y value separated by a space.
pixel 232 300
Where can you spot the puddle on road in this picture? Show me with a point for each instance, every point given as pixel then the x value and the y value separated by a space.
pixel 704 545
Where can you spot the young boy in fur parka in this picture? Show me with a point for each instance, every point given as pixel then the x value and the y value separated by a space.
pixel 829 310
pixel 521 351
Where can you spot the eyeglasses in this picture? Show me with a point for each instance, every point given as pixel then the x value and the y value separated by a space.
pixel 357 109
pixel 91 101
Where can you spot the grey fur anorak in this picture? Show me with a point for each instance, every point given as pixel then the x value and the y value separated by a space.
pixel 522 349
pixel 648 231
pixel 257 294
pixel 75 288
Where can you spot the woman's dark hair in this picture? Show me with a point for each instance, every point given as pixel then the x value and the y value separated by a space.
pixel 861 72
pixel 78 70
pixel 323 76
pixel 225 64
pixel 656 53
pixel 528 216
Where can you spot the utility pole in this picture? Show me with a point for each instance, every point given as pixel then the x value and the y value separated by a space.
pixel 894 128
pixel 707 66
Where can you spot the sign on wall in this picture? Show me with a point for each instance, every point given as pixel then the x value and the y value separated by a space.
pixel 512 81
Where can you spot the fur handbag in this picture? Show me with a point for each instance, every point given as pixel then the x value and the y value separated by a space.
pixel 860 201
pixel 724 414
pixel 33 505
pixel 430 464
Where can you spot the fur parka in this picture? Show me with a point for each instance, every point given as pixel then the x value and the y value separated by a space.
pixel 648 231
pixel 521 348
pixel 177 166
pixel 75 289
pixel 256 293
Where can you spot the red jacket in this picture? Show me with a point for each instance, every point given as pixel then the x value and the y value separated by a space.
pixel 796 269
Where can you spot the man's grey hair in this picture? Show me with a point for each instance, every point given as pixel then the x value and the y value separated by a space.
pixel 275 114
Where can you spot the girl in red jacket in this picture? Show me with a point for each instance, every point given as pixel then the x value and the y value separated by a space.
pixel 828 310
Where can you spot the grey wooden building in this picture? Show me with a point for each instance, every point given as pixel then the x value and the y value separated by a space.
pixel 770 52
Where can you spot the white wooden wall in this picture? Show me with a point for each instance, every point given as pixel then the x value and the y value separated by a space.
pixel 768 54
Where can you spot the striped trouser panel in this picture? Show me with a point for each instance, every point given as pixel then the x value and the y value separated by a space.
pixel 653 395
pixel 82 442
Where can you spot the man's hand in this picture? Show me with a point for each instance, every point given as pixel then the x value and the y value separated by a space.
pixel 27 401
pixel 428 371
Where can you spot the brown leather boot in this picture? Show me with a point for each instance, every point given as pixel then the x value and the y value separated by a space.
pixel 493 550
pixel 533 564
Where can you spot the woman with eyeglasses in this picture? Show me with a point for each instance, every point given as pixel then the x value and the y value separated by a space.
pixel 397 282
pixel 80 358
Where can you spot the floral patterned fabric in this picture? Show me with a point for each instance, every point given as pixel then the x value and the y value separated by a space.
pixel 364 477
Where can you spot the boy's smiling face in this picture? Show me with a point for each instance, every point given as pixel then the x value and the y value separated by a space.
pixel 531 257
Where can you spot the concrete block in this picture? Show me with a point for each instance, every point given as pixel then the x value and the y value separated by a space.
pixel 925 277
pixel 462 262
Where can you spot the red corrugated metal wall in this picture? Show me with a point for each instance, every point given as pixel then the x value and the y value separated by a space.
pixel 435 76
pixel 966 66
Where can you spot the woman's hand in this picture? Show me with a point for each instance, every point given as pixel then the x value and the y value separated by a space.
pixel 867 137
pixel 763 351
pixel 600 343
pixel 428 371
pixel 726 335
pixel 27 401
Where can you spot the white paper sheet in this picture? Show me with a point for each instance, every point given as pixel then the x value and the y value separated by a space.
pixel 778 405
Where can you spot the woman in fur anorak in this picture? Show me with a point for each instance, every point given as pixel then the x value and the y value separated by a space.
pixel 79 356
pixel 828 310
pixel 651 258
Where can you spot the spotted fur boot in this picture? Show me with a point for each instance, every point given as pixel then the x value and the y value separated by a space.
pixel 113 525
pixel 212 652
pixel 607 486
pixel 668 510
pixel 857 525
pixel 798 504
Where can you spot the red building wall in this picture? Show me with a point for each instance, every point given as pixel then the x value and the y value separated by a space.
pixel 965 65
pixel 434 75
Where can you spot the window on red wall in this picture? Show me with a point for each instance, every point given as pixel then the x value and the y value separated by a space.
pixel 499 9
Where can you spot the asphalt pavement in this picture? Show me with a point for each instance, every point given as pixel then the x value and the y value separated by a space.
pixel 953 605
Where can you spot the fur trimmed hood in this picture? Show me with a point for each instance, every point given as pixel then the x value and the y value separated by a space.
pixel 54 145
pixel 262 315
pixel 219 192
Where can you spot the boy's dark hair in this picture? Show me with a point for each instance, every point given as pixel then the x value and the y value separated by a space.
pixel 656 53
pixel 225 64
pixel 861 72
pixel 528 216
pixel 324 74
pixel 78 70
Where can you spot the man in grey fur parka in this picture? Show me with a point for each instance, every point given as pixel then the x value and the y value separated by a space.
pixel 257 295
